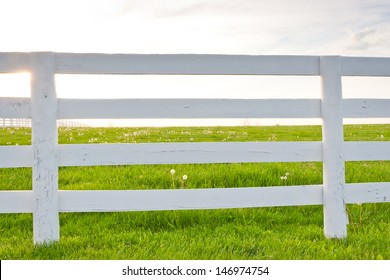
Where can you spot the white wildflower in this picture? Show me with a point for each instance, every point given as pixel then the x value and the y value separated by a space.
pixel 173 171
pixel 185 177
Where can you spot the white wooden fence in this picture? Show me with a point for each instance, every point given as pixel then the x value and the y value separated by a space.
pixel 17 122
pixel 45 155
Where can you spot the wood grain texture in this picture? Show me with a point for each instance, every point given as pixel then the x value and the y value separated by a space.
pixel 367 193
pixel 137 200
pixel 184 153
pixel 16 156
pixel 366 108
pixel 11 107
pixel 44 156
pixel 335 215
pixel 195 108
pixel 13 62
pixel 365 66
pixel 145 200
pixel 44 146
pixel 188 108
pixel 16 202
pixel 201 152
pixel 367 151
pixel 186 64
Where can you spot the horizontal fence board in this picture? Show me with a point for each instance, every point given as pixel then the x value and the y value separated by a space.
pixel 188 108
pixel 196 108
pixel 367 193
pixel 16 201
pixel 11 107
pixel 16 156
pixel 202 152
pixel 192 64
pixel 186 64
pixel 365 66
pixel 367 151
pixel 144 200
pixel 366 108
pixel 14 62
pixel 185 153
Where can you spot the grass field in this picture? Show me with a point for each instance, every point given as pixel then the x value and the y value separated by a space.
pixel 263 233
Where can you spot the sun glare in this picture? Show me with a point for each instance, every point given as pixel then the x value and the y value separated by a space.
pixel 15 85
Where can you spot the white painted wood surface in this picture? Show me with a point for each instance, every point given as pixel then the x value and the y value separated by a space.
pixel 218 198
pixel 14 62
pixel 16 156
pixel 186 64
pixel 176 153
pixel 11 107
pixel 45 155
pixel 366 108
pixel 335 215
pixel 365 66
pixel 137 200
pixel 188 108
pixel 367 193
pixel 44 145
pixel 71 63
pixel 202 152
pixel 195 108
pixel 142 200
pixel 367 151
pixel 16 201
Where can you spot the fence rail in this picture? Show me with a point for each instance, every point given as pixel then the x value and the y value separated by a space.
pixel 45 155
pixel 26 122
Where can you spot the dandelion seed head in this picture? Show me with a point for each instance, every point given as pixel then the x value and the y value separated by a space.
pixel 173 171
pixel 185 177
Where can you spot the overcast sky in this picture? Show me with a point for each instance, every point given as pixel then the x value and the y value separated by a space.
pixel 347 27
pixel 264 27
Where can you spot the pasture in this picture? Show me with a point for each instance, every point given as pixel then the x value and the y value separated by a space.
pixel 258 233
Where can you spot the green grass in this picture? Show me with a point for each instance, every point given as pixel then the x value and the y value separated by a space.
pixel 262 233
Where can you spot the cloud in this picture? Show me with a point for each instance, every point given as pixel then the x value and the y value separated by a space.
pixel 370 41
pixel 364 39
pixel 197 26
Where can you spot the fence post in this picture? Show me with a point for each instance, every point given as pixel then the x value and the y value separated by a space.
pixel 335 215
pixel 44 144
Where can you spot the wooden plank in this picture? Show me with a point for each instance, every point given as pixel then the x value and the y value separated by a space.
pixel 367 151
pixel 16 201
pixel 366 108
pixel 367 193
pixel 192 108
pixel 44 145
pixel 210 152
pixel 365 66
pixel 136 200
pixel 188 108
pixel 184 153
pixel 14 62
pixel 16 156
pixel 335 215
pixel 186 64
pixel 11 107
pixel 151 200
